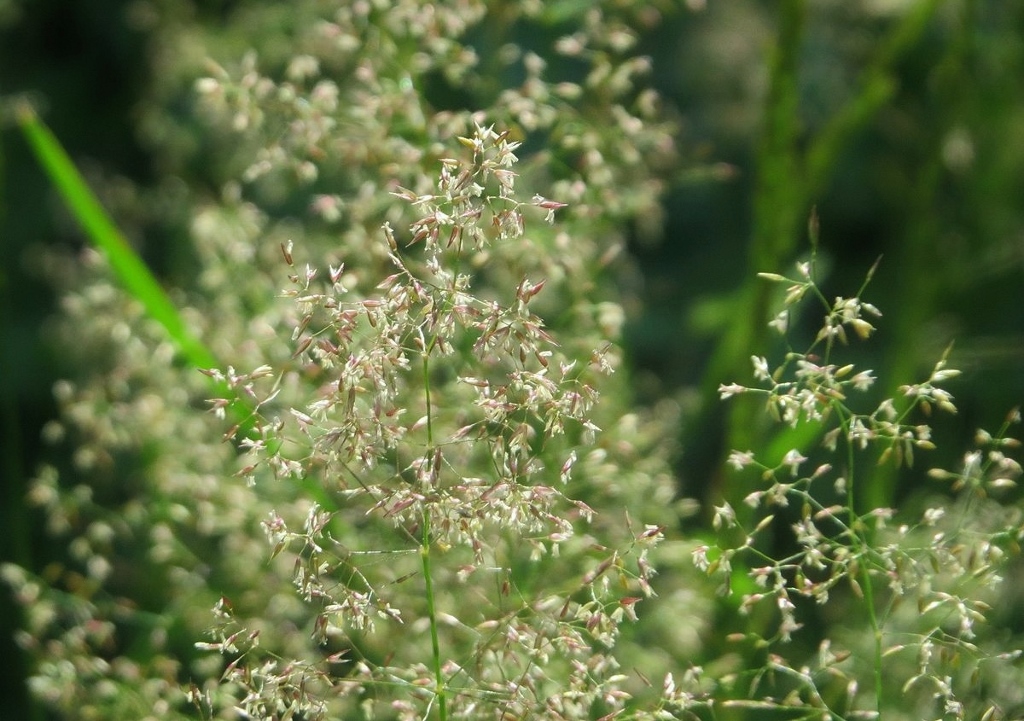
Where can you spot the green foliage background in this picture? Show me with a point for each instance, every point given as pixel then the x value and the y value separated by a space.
pixel 901 121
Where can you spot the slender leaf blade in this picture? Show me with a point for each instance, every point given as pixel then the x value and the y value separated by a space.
pixel 125 262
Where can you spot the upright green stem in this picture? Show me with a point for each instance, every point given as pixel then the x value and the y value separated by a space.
pixel 862 544
pixel 440 692
pixel 869 600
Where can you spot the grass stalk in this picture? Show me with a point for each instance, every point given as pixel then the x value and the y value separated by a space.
pixel 863 545
pixel 440 691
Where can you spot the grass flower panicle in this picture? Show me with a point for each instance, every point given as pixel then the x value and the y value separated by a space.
pixel 426 371
pixel 439 498
pixel 920 584
pixel 447 427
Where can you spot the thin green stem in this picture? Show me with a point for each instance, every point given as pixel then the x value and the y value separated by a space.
pixel 858 538
pixel 426 395
pixel 440 692
pixel 869 600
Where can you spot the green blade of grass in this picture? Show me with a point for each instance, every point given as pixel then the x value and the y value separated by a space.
pixel 125 262
pixel 130 268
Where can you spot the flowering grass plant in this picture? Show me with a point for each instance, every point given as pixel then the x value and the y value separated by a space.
pixel 446 427
pixel 422 488
pixel 920 584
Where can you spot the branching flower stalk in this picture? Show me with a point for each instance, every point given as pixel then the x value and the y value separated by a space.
pixel 332 107
pixel 468 479
pixel 838 543
pixel 449 534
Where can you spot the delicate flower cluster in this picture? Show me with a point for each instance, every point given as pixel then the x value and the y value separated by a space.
pixel 422 323
pixel 923 584
pixel 806 389
pixel 433 527
pixel 310 139
pixel 445 418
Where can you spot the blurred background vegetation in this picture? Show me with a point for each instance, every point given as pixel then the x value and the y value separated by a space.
pixel 901 121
